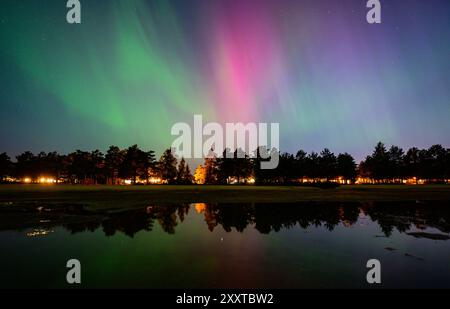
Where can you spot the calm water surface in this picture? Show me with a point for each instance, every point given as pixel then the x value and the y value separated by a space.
pixel 306 245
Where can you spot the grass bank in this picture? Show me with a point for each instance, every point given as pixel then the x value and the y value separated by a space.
pixel 101 197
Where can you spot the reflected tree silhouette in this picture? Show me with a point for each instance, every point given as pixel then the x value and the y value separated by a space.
pixel 129 224
pixel 265 218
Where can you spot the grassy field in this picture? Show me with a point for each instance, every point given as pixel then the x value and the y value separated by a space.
pixel 98 197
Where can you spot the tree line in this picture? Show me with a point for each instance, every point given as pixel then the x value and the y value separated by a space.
pixel 138 166
pixel 382 166
pixel 432 164
pixel 94 167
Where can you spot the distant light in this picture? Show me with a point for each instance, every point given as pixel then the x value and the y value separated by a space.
pixel 155 180
pixel 128 181
pixel 46 180
pixel 27 180
pixel 39 232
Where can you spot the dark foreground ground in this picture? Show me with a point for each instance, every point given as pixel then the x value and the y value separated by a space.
pixel 123 197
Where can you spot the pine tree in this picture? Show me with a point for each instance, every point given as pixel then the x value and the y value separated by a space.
pixel 168 166
pixel 188 179
pixel 181 172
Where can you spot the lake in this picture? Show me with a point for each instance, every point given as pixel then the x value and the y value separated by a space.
pixel 251 245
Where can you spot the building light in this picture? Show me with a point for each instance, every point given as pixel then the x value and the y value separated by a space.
pixel 233 181
pixel 128 181
pixel 44 180
pixel 155 180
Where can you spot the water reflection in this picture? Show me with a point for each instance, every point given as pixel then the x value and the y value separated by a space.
pixel 265 218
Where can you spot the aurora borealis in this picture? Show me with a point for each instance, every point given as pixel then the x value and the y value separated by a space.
pixel 134 68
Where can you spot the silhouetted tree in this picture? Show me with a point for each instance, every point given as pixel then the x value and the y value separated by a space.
pixel 137 163
pixel 237 165
pixel 225 166
pixel 55 165
pixel 327 164
pixel 26 165
pixel 184 173
pixel 188 178
pixel 412 163
pixel 211 170
pixel 6 166
pixel 312 166
pixel 242 166
pixel 301 160
pixel 435 163
pixel 377 165
pixel 96 165
pixel 264 176
pixel 168 166
pixel 147 164
pixel 395 168
pixel 447 164
pixel 286 171
pixel 79 166
pixel 130 164
pixel 346 166
pixel 181 171
pixel 113 160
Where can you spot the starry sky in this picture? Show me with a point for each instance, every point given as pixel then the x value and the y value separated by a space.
pixel 133 68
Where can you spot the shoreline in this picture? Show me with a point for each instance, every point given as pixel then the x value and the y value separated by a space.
pixel 124 197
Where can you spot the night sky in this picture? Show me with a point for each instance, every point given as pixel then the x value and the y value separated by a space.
pixel 134 68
